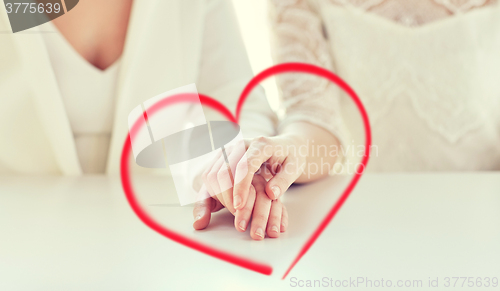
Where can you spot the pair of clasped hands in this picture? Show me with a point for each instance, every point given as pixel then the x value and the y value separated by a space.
pixel 263 170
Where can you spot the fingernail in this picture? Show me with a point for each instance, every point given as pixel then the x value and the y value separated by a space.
pixel 199 215
pixel 259 232
pixel 237 201
pixel 243 225
pixel 283 228
pixel 276 191
pixel 275 229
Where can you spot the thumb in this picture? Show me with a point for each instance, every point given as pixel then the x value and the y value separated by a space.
pixel 202 213
pixel 203 209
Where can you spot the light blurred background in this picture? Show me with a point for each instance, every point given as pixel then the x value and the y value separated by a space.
pixel 254 26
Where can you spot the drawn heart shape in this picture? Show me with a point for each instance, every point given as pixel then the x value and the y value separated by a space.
pixel 214 104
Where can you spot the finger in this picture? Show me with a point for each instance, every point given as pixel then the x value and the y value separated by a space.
pixel 243 215
pixel 284 219
pixel 260 211
pixel 226 186
pixel 204 176
pixel 220 199
pixel 212 179
pixel 258 152
pixel 287 174
pixel 274 221
pixel 216 205
pixel 265 172
pixel 202 212
pixel 228 200
pixel 233 157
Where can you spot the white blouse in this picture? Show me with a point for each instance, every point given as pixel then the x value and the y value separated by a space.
pixel 427 71
pixel 89 98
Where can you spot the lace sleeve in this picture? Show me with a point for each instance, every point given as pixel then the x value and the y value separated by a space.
pixel 297 36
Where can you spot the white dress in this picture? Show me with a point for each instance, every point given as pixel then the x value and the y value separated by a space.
pixel 427 71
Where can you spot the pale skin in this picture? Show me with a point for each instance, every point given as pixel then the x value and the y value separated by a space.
pixel 268 216
pixel 97 30
pixel 270 157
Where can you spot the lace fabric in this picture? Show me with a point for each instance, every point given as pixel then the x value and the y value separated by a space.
pixel 415 12
pixel 407 12
pixel 446 102
pixel 299 38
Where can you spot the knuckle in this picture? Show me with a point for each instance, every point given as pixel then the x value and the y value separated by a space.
pixel 252 191
pixel 281 181
pixel 253 152
pixel 259 217
pixel 275 217
pixel 223 174
pixel 261 139
pixel 247 209
pixel 246 212
pixel 212 177
pixel 242 165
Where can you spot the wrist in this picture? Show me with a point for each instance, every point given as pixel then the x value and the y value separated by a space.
pixel 293 138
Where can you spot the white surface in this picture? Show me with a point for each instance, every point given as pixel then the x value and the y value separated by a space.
pixel 80 234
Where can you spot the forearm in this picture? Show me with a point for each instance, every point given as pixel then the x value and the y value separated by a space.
pixel 322 149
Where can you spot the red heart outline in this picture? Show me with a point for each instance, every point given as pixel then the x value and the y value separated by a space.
pixel 210 102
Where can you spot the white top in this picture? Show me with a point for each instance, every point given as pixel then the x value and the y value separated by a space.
pixel 89 98
pixel 169 44
pixel 427 71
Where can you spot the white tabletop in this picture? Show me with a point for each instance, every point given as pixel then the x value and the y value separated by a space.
pixel 61 233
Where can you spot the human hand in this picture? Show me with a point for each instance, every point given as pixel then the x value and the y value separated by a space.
pixel 279 156
pixel 268 216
